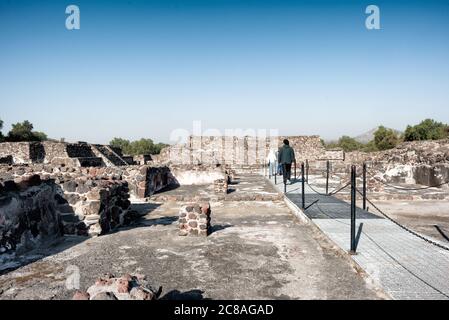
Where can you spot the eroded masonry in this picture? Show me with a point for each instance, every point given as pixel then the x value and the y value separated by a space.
pixel 51 189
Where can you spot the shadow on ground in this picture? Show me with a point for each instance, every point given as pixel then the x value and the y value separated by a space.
pixel 195 294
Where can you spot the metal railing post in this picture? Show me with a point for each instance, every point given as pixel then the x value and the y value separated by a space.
pixel 269 169
pixel 275 172
pixel 364 186
pixel 353 209
pixel 303 195
pixel 307 170
pixel 295 169
pixel 327 176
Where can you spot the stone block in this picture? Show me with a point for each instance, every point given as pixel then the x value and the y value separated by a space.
pixel 194 219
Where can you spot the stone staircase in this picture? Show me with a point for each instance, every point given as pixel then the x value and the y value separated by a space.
pixel 85 155
pixel 108 155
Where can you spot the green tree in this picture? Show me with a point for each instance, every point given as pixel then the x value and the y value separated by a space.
pixel 23 131
pixel 369 147
pixel 40 136
pixel 428 129
pixel 123 144
pixel 349 144
pixel 142 146
pixel 159 147
pixel 385 138
pixel 1 127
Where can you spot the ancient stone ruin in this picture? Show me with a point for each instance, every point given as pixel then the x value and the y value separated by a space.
pixel 126 287
pixel 248 153
pixel 48 189
pixel 194 219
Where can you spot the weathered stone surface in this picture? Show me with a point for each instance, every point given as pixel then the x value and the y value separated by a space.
pixel 127 287
pixel 81 295
pixel 28 215
pixel 197 221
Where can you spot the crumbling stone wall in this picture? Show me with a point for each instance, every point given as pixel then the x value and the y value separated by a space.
pixel 142 159
pixel 146 180
pixel 28 214
pixel 72 154
pixel 93 206
pixel 19 151
pixel 417 162
pixel 88 204
pixel 194 219
pixel 240 151
pixel 221 186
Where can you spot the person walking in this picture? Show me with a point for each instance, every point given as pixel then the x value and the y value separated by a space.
pixel 286 157
pixel 271 159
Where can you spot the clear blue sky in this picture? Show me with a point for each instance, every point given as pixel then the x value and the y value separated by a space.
pixel 143 68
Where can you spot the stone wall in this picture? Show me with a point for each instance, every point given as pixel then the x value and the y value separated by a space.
pixel 28 214
pixel 241 151
pixel 194 219
pixel 146 180
pixel 142 159
pixel 418 162
pixel 88 202
pixel 197 174
pixel 20 151
pixel 72 154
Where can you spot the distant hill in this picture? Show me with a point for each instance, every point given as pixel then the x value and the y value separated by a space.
pixel 369 135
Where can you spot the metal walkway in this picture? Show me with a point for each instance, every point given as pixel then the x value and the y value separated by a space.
pixel 405 266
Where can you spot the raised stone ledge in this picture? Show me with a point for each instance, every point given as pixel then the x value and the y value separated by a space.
pixel 194 219
pixel 86 205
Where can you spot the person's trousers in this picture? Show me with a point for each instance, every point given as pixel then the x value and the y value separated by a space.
pixel 286 171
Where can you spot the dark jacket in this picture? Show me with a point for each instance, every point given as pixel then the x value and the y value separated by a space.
pixel 286 154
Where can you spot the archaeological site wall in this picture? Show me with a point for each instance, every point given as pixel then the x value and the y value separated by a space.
pixel 69 154
pixel 418 162
pixel 243 151
pixel 28 215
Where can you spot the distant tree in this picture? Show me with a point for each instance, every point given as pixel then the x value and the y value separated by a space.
pixel 385 138
pixel 349 144
pixel 369 147
pixel 428 129
pixel 142 146
pixel 40 136
pixel 23 131
pixel 123 144
pixel 1 127
pixel 159 147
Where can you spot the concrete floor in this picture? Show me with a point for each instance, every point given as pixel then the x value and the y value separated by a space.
pixel 258 250
pixel 420 215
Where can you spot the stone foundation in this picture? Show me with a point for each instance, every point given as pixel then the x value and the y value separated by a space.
pixel 197 174
pixel 28 214
pixel 194 219
pixel 242 151
pixel 145 180
pixel 88 204
pixel 126 287
pixel 221 186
